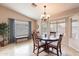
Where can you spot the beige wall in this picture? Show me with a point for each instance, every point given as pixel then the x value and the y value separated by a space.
pixel 67 13
pixel 6 13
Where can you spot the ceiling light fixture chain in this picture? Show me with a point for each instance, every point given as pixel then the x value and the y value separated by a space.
pixel 45 16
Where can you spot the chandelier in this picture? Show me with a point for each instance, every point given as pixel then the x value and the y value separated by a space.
pixel 45 16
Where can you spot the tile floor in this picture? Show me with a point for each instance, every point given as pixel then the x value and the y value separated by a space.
pixel 25 49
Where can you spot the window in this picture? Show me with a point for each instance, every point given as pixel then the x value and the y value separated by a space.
pixel 44 28
pixel 58 26
pixel 75 29
pixel 21 29
pixel 61 27
pixel 53 27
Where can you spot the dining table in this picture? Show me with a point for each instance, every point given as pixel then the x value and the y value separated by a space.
pixel 47 41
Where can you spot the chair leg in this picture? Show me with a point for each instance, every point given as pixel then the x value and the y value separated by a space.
pixel 57 53
pixel 38 52
pixel 48 51
pixel 60 50
pixel 34 49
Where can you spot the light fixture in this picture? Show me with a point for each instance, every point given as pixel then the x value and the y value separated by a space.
pixel 45 16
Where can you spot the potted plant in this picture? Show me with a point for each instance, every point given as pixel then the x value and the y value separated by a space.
pixel 3 32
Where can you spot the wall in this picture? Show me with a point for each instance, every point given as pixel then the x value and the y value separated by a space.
pixel 67 13
pixel 6 13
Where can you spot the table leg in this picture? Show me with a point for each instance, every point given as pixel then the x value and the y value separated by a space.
pixel 46 47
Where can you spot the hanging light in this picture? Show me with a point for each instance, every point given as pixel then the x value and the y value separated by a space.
pixel 45 16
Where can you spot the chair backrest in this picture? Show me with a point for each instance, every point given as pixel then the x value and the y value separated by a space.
pixel 35 39
pixel 53 33
pixel 60 39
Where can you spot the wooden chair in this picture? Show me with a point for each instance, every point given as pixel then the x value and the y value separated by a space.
pixel 37 44
pixel 53 33
pixel 57 46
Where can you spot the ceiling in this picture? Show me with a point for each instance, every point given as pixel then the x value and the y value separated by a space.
pixel 29 10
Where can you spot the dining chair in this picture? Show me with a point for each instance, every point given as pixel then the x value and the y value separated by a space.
pixel 57 45
pixel 53 34
pixel 37 44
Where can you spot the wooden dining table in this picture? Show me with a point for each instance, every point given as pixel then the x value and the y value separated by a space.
pixel 47 41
